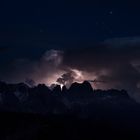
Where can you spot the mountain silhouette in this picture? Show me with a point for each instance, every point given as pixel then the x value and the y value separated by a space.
pixel 83 89
pixel 80 111
pixel 80 97
pixel 80 91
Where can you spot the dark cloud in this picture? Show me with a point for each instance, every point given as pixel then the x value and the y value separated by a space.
pixel 115 61
pixel 39 70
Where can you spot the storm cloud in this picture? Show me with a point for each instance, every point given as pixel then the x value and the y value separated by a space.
pixel 114 61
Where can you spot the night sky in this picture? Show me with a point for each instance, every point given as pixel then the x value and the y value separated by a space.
pixel 62 24
pixel 83 39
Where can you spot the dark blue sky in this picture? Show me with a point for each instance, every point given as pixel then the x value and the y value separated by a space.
pixel 71 21
pixel 62 24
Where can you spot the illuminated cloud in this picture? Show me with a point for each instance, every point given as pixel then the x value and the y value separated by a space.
pixel 114 61
pixel 54 57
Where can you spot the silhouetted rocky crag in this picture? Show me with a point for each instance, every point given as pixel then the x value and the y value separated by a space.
pixel 80 99
pixel 79 112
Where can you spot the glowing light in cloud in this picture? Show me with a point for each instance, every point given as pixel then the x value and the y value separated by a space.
pixel 77 74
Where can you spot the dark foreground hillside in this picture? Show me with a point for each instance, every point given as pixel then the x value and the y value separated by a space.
pixel 19 126
pixel 79 112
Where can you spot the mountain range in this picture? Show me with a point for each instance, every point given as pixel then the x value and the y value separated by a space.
pixel 80 99
pixel 79 112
